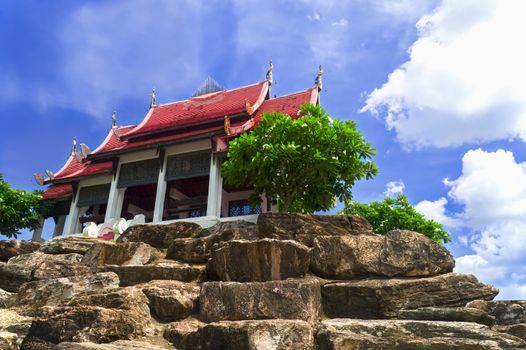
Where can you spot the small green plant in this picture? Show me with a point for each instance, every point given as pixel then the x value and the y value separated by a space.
pixel 19 209
pixel 304 164
pixel 398 213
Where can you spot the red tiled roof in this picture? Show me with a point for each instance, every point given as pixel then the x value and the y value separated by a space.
pixel 73 168
pixel 57 191
pixel 288 104
pixel 200 109
pixel 112 142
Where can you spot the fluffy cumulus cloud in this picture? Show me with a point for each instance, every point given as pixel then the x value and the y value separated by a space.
pixel 394 188
pixel 436 210
pixel 492 191
pixel 464 80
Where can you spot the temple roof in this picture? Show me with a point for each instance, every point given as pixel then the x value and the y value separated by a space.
pixel 74 169
pixel 288 104
pixel 58 191
pixel 200 109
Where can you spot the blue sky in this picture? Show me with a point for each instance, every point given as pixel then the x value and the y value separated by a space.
pixel 435 86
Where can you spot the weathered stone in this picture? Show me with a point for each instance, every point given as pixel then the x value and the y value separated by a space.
pixel 380 298
pixel 54 292
pixel 160 270
pixel 8 341
pixel 505 311
pixel 171 300
pixel 460 314
pixel 32 266
pixel 11 248
pixel 147 344
pixel 127 254
pixel 160 236
pixel 177 333
pixel 237 229
pixel 290 299
pixel 517 330
pixel 12 322
pixel 99 316
pixel 85 324
pixel 398 253
pixel 69 244
pixel 405 335
pixel 197 250
pixel 5 298
pixel 305 227
pixel 253 335
pixel 262 260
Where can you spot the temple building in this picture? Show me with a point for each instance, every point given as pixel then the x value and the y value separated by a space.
pixel 168 166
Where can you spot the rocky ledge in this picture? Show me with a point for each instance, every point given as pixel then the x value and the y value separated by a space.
pixel 291 281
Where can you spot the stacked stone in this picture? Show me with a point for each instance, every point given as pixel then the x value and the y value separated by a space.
pixel 290 282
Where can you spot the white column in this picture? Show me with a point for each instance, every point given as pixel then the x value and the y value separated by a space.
pixel 112 197
pixel 73 216
pixel 215 188
pixel 160 194
pixel 59 226
pixel 37 234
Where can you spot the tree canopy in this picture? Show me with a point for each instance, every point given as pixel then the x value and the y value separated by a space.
pixel 304 164
pixel 19 209
pixel 398 213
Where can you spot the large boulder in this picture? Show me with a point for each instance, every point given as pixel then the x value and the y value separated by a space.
pixel 69 244
pixel 54 292
pixel 37 265
pixel 8 341
pixel 404 334
pixel 517 330
pixel 11 248
pixel 261 260
pixel 159 270
pixel 305 227
pixel 506 312
pixel 290 299
pixel 398 253
pixel 160 236
pixel 197 250
pixel 178 332
pixel 13 328
pixel 99 316
pixel 128 254
pixel 460 314
pixel 253 335
pixel 383 298
pixel 171 300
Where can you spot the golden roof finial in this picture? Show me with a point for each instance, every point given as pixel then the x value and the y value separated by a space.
pixel 227 125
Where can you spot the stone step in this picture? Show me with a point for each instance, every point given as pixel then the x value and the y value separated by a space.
pixel 257 261
pixel 404 334
pixel 384 298
pixel 291 299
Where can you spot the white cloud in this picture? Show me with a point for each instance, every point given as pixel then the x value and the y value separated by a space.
pixel 394 188
pixel 464 81
pixel 342 22
pixel 492 190
pixel 436 210
pixel 314 17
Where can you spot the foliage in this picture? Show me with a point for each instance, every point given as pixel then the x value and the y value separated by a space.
pixel 303 164
pixel 398 213
pixel 18 209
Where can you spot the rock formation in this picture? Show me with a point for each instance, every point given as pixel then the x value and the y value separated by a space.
pixel 292 281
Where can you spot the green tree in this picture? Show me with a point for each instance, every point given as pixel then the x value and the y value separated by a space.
pixel 303 164
pixel 19 209
pixel 398 213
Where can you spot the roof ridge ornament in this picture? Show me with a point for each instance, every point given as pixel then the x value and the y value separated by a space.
pixel 249 108
pixel 269 72
pixel 152 102
pixel 114 119
pixel 318 80
pixel 50 174
pixel 74 148
pixel 39 178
